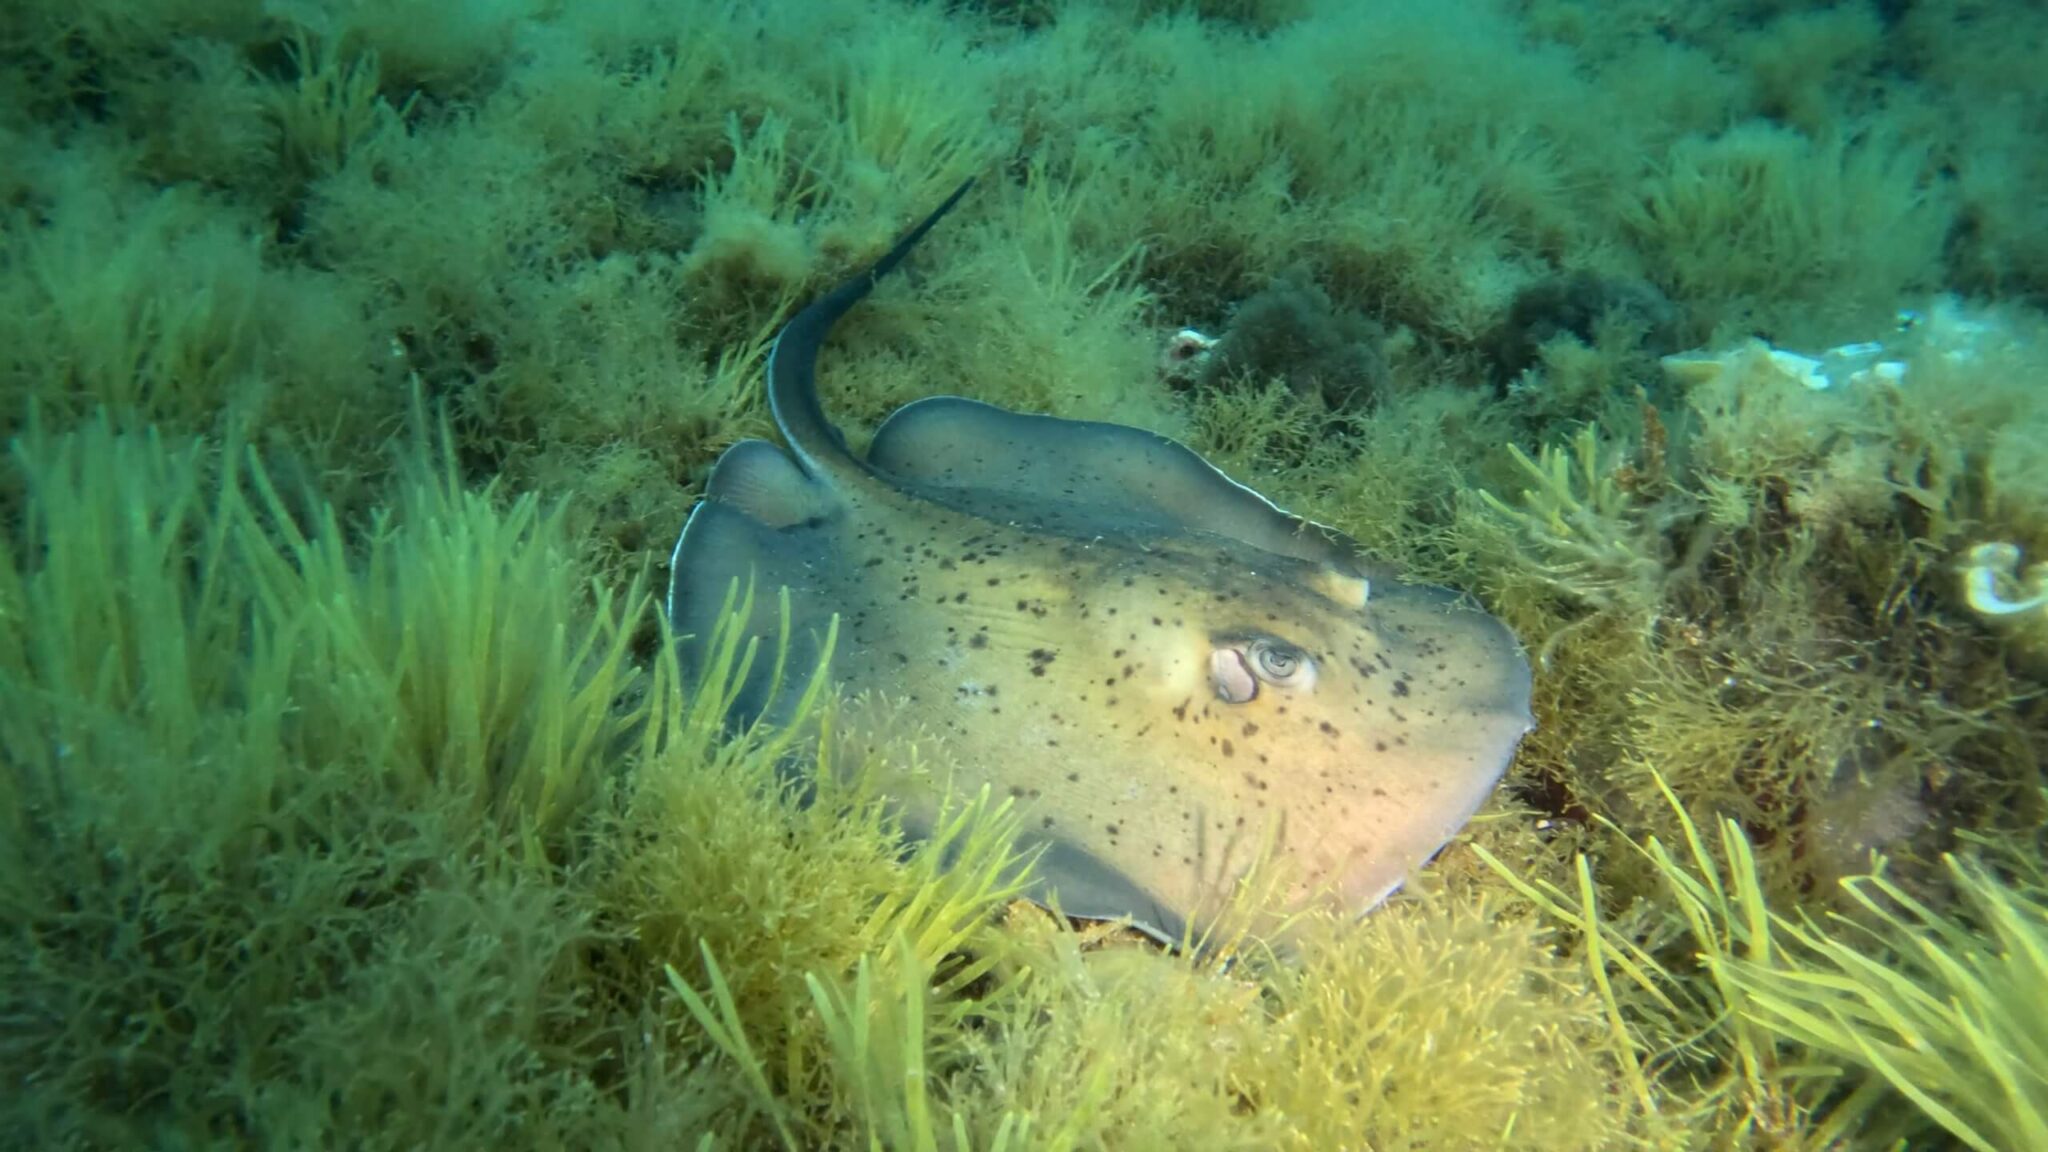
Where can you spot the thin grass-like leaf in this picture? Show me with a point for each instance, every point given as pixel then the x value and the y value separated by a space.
pixel 720 1020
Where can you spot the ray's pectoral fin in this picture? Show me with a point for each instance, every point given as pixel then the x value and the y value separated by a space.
pixel 1472 676
pixel 764 524
pixel 1078 477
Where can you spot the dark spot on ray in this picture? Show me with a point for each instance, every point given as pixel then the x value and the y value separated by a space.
pixel 1229 749
pixel 978 640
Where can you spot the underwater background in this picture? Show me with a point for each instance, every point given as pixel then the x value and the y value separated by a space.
pixel 362 358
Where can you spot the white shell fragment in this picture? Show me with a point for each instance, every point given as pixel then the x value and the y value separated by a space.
pixel 1945 329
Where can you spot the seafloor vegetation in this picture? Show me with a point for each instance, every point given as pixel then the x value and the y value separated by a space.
pixel 359 360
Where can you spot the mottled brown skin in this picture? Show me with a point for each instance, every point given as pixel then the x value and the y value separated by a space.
pixel 1086 616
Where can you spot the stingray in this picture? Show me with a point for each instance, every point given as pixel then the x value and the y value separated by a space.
pixel 1174 678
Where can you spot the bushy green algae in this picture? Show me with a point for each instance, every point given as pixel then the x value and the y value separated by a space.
pixel 552 217
pixel 275 806
pixel 360 775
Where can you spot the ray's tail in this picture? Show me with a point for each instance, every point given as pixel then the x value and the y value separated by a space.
pixel 792 363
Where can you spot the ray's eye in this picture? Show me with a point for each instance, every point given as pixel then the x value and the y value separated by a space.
pixel 1282 664
pixel 1275 663
pixel 1237 672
